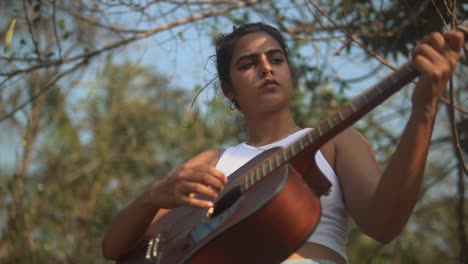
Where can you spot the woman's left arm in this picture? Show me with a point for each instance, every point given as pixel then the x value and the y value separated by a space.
pixel 381 203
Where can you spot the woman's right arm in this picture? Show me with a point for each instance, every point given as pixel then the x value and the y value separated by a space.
pixel 129 226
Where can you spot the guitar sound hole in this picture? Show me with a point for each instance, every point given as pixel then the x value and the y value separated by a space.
pixel 226 201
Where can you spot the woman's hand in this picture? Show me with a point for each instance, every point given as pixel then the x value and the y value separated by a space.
pixel 436 59
pixel 189 185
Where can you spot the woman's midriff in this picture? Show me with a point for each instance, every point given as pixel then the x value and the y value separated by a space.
pixel 316 251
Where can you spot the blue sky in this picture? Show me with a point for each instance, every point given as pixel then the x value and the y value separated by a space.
pixel 184 58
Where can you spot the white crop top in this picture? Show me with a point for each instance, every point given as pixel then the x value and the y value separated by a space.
pixel 332 230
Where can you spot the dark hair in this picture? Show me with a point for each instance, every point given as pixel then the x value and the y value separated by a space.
pixel 226 42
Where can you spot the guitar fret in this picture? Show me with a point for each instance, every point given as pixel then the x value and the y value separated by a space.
pixel 319 131
pixel 310 137
pixel 337 118
pixel 293 150
pixel 359 102
pixel 277 160
pixel 246 183
pixel 271 166
pixel 365 98
pixel 369 96
pixel 301 144
pixel 380 89
pixel 351 110
pixel 285 157
pixel 257 176
pixel 259 173
pixel 149 249
pixel 156 245
pixel 329 123
pixel 340 115
pixel 352 106
pixel 252 180
pixel 394 80
pixel 249 175
pixel 315 134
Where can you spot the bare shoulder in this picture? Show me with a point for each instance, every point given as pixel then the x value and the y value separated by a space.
pixel 349 134
pixel 341 142
pixel 350 143
pixel 355 160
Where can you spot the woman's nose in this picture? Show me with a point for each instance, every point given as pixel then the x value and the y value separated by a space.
pixel 265 68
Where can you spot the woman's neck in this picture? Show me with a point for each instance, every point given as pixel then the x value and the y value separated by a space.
pixel 274 128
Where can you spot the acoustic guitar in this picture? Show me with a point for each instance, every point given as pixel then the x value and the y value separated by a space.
pixel 270 206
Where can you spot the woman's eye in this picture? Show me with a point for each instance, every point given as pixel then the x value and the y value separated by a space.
pixel 277 60
pixel 248 65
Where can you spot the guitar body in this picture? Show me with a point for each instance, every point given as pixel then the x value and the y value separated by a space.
pixel 262 224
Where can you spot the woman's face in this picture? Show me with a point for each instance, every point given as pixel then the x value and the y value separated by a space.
pixel 260 75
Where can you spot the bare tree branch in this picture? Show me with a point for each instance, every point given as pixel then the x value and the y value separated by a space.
pixel 43 90
pixel 90 54
pixel 31 33
pixel 54 22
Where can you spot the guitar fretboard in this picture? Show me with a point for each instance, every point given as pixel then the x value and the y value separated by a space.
pixel 335 123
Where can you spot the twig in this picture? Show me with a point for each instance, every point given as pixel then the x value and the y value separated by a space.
pixel 36 48
pixel 54 20
pixel 88 55
pixel 460 208
pixel 47 87
pixel 351 36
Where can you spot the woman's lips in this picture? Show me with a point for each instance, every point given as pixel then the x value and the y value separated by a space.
pixel 269 84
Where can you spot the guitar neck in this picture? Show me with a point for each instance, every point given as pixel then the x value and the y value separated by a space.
pixel 354 110
pixel 335 123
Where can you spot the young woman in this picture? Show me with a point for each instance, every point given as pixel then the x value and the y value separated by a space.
pixel 254 73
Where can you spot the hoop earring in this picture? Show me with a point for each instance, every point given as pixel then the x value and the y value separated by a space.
pixel 232 104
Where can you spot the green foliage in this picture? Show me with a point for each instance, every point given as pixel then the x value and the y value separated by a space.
pixel 133 131
pixel 390 29
pixel 82 158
